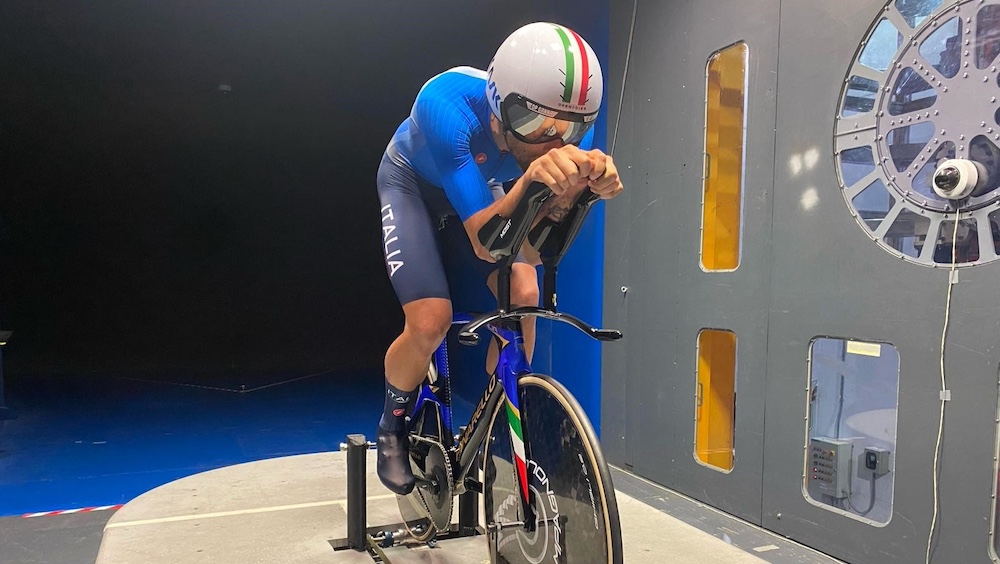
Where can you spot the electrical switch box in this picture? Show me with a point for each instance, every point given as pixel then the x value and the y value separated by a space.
pixel 878 460
pixel 829 466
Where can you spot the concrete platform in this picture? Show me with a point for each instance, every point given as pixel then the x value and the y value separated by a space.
pixel 289 510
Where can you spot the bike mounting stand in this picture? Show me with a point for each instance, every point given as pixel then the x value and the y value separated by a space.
pixel 362 538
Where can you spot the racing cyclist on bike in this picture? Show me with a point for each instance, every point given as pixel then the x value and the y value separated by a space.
pixel 528 118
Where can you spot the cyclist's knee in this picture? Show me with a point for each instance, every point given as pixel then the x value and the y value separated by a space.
pixel 524 290
pixel 428 322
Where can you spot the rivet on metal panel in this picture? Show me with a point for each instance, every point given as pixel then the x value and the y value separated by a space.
pixel 945 89
pixel 965 75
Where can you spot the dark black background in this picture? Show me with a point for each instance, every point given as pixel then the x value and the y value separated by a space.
pixel 150 221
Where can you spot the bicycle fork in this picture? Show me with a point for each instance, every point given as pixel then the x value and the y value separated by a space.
pixel 512 364
pixel 493 531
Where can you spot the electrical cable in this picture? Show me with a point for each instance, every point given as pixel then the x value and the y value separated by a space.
pixel 944 387
pixel 621 99
pixel 840 407
pixel 871 500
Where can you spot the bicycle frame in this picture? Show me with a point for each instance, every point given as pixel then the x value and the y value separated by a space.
pixel 512 364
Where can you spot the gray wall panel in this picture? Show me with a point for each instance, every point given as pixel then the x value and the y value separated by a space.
pixel 670 298
pixel 830 279
pixel 614 385
pixel 808 271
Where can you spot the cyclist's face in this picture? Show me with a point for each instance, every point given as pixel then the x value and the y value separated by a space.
pixel 525 153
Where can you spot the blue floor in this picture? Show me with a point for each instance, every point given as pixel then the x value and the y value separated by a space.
pixel 85 441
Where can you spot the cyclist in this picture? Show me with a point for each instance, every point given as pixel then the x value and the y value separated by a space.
pixel 528 118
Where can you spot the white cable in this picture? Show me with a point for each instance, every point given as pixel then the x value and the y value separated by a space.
pixel 621 99
pixel 944 387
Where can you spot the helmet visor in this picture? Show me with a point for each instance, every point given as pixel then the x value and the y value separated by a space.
pixel 535 124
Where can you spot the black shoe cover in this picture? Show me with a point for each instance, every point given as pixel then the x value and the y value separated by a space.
pixel 394 461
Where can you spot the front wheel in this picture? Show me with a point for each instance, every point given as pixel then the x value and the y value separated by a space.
pixel 576 514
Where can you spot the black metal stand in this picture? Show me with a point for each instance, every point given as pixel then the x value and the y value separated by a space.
pixel 362 538
pixel 357 511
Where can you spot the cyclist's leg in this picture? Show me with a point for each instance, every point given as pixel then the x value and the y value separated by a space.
pixel 523 292
pixel 458 254
pixel 415 270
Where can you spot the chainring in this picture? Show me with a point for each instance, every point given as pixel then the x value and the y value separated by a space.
pixel 427 509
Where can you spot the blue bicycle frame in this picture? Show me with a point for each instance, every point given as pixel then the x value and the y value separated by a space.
pixel 511 365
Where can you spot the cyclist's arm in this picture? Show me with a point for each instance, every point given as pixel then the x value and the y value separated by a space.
pixel 448 132
pixel 504 207
pixel 567 171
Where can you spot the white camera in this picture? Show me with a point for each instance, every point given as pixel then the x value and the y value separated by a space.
pixel 957 179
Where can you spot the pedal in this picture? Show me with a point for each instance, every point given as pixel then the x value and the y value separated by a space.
pixel 387 540
pixel 432 543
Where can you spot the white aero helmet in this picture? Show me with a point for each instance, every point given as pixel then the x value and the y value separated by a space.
pixel 545 83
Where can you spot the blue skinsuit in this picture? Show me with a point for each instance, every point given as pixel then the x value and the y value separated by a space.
pixel 441 162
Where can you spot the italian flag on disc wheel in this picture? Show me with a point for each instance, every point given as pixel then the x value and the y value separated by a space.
pixel 517 437
pixel 577 67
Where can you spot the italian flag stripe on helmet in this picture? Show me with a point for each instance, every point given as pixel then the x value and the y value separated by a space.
pixel 571 66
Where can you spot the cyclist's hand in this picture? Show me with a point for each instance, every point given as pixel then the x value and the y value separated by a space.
pixel 603 177
pixel 562 169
